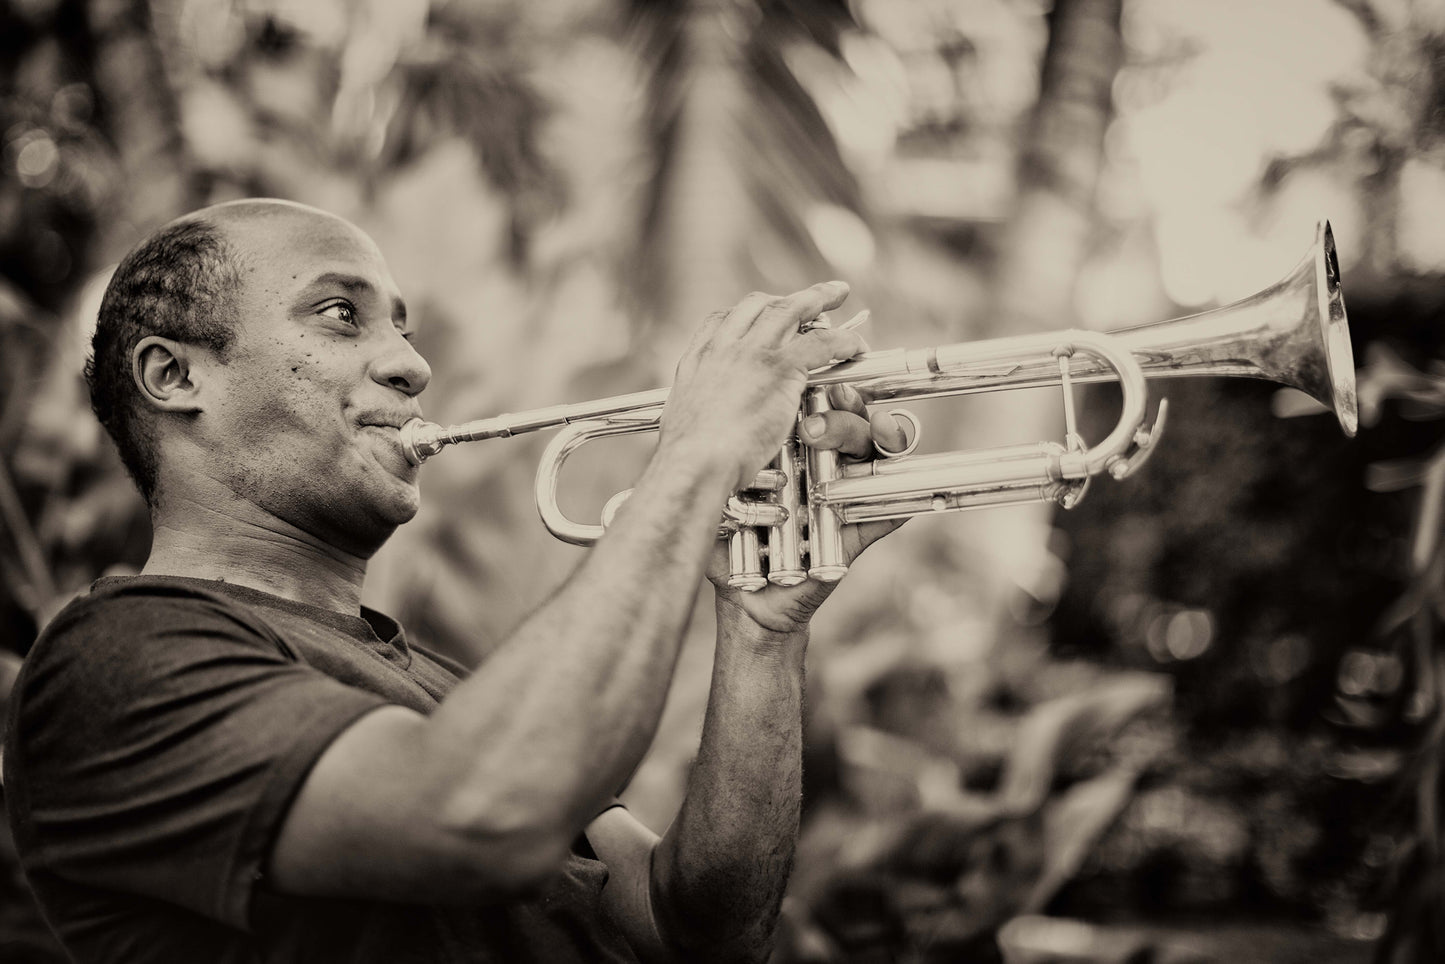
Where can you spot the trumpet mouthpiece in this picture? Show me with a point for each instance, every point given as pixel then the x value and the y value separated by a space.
pixel 420 440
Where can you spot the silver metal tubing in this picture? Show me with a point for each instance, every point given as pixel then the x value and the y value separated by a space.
pixel 1293 333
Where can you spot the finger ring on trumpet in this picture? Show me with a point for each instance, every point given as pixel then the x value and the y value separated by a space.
pixel 823 321
pixel 912 443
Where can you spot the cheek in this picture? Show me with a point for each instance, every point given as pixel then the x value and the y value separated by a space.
pixel 291 395
pixel 276 407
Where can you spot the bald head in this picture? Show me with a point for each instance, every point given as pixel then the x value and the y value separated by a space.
pixel 184 283
pixel 230 214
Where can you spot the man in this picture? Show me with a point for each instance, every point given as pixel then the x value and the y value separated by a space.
pixel 227 758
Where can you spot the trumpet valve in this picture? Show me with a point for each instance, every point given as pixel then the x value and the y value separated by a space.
pixel 785 540
pixel 745 560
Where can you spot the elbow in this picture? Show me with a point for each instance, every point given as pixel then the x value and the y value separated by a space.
pixel 512 851
pixel 713 920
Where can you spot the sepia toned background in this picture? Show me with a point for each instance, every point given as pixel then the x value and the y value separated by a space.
pixel 1197 718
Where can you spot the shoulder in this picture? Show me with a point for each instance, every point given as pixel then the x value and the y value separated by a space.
pixel 135 638
pixel 121 611
pixel 138 668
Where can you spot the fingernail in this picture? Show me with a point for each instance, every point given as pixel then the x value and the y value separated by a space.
pixel 813 425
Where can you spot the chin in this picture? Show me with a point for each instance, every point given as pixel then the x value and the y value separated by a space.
pixel 401 515
pixel 365 535
pixel 399 506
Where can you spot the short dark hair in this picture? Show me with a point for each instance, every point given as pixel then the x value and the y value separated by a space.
pixel 180 283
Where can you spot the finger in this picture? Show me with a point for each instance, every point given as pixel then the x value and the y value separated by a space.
pixel 718 562
pixel 858 537
pixel 785 316
pixel 708 328
pixel 843 431
pixel 713 321
pixel 845 398
pixel 700 344
pixel 823 346
pixel 888 432
pixel 742 315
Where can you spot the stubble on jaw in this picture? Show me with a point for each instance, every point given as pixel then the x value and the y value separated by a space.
pixel 356 517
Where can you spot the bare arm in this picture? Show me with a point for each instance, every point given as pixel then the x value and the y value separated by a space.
pixel 482 799
pixel 721 869
pixel 710 889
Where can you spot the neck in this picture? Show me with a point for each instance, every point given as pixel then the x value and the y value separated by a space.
pixel 240 543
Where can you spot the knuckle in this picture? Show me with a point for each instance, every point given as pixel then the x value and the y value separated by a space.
pixel 779 360
pixel 758 358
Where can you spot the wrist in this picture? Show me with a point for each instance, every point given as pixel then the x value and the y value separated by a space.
pixel 737 628
pixel 685 478
pixel 686 457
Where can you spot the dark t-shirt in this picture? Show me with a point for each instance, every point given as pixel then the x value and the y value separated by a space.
pixel 158 733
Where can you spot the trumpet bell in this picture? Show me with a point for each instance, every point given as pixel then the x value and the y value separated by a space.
pixel 1294 333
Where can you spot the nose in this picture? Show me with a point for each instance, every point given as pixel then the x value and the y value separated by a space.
pixel 401 366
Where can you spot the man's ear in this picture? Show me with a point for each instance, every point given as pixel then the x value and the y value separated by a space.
pixel 164 371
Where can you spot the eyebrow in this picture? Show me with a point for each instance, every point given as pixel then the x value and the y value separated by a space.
pixel 359 287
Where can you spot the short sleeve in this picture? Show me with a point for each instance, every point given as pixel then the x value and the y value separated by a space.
pixel 156 744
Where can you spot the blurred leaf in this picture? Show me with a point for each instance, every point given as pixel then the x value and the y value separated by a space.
pixel 1387 376
pixel 1368 766
pixel 450 90
pixel 1073 824
pixel 1069 728
pixel 1032 939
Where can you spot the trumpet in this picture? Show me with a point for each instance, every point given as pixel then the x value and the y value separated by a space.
pixel 786 526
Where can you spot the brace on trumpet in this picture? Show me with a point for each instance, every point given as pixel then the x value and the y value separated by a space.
pixel 786 526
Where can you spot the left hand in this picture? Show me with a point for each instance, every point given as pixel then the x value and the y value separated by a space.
pixel 852 432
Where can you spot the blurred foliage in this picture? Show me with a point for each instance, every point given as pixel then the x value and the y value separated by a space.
pixel 1211 724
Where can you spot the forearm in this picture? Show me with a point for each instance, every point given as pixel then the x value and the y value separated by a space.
pixel 559 717
pixel 720 871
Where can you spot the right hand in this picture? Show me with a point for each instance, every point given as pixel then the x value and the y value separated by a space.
pixel 740 383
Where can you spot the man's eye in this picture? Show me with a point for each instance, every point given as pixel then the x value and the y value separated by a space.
pixel 342 311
